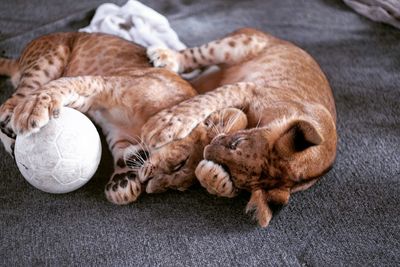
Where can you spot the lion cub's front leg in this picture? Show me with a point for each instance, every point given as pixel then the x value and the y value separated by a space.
pixel 179 121
pixel 215 179
pixel 36 109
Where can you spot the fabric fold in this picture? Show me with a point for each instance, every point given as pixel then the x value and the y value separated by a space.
pixel 386 11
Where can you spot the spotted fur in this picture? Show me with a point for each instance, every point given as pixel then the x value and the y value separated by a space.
pixel 172 165
pixel 105 77
pixel 291 140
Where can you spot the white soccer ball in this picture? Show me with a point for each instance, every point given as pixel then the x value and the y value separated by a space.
pixel 62 156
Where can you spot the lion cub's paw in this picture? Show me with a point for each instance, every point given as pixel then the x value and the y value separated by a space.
pixel 167 126
pixel 162 57
pixel 215 179
pixel 34 112
pixel 6 112
pixel 123 188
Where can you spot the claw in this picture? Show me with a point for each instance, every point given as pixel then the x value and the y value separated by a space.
pixel 56 113
pixel 33 124
pixel 9 132
pixel 5 121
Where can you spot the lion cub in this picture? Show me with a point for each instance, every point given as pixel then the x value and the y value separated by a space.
pixel 103 76
pixel 291 137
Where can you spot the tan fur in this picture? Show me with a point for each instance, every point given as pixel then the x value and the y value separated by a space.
pixel 172 166
pixel 103 76
pixel 258 205
pixel 292 137
pixel 9 67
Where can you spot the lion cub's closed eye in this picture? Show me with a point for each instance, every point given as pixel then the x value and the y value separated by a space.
pixel 172 165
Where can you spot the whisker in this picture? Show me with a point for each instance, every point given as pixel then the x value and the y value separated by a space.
pixel 216 129
pixel 134 151
pixel 258 123
pixel 223 116
pixel 140 142
pixel 137 160
pixel 133 164
pixel 232 122
pixel 146 148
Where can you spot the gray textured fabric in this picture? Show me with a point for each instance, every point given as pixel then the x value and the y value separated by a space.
pixel 351 217
pixel 387 11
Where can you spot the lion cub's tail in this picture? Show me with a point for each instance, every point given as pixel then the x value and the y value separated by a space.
pixel 8 67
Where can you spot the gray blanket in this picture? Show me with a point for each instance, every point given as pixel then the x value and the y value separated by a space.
pixel 350 218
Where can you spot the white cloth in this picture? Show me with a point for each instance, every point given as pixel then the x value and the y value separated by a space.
pixel 135 22
pixel 387 11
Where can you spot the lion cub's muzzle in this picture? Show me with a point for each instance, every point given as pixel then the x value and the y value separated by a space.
pixel 223 147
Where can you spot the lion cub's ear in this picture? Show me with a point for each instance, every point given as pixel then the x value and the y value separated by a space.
pixel 226 120
pixel 298 136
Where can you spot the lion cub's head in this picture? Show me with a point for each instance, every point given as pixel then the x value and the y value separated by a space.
pixel 172 165
pixel 270 162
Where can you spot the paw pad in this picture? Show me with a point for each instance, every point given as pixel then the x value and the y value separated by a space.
pixel 123 188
